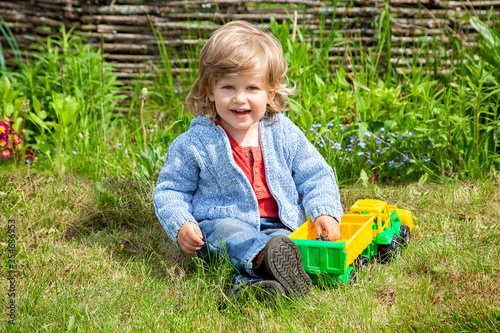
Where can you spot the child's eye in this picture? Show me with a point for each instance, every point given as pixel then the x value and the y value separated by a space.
pixel 227 87
pixel 253 88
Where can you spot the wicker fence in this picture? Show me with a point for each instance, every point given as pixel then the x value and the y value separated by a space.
pixel 124 26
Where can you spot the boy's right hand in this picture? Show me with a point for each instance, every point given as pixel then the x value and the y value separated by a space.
pixel 190 238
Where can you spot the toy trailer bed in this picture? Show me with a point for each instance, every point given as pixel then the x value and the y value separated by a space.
pixel 332 262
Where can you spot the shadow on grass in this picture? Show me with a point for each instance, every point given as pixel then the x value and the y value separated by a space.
pixel 122 220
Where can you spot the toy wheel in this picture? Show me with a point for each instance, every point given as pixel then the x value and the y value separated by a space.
pixel 361 263
pixel 387 252
pixel 352 277
pixel 405 235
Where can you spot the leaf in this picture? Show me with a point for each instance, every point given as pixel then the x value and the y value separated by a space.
pixel 486 32
pixel 389 124
pixel 38 109
pixel 296 107
pixel 423 179
pixel 5 87
pixel 363 176
pixel 362 128
pixel 306 119
pixel 319 81
pixel 37 121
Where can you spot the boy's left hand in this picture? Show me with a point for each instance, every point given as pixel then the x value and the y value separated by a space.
pixel 328 224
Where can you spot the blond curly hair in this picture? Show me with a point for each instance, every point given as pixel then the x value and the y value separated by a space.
pixel 240 48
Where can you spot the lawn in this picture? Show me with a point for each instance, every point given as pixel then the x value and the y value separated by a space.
pixel 91 257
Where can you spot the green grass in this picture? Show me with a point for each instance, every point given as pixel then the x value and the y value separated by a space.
pixel 74 274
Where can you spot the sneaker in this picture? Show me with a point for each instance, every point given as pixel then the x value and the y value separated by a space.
pixel 283 264
pixel 267 291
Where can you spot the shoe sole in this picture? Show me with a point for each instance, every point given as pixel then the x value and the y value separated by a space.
pixel 284 264
pixel 268 291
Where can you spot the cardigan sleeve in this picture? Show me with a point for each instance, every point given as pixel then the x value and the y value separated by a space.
pixel 176 185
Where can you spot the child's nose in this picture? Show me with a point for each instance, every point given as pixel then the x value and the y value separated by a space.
pixel 239 97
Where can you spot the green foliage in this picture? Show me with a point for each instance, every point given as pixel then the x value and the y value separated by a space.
pixel 150 162
pixel 368 124
pixel 453 126
pixel 489 47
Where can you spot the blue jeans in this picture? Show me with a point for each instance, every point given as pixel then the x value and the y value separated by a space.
pixel 239 242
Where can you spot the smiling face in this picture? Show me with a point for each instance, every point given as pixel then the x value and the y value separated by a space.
pixel 241 103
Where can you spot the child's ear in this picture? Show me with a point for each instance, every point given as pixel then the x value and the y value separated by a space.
pixel 210 95
pixel 270 96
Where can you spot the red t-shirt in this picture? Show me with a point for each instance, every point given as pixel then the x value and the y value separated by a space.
pixel 250 160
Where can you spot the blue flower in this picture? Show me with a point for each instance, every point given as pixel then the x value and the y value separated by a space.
pixel 337 145
pixel 377 151
pixel 370 161
pixel 382 129
pixel 360 153
pixel 362 144
pixel 378 142
pixel 368 135
pixel 349 150
pixel 75 152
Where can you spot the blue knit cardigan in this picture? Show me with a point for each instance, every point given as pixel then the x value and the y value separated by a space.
pixel 200 180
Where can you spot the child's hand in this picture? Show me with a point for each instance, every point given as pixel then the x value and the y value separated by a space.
pixel 328 224
pixel 190 238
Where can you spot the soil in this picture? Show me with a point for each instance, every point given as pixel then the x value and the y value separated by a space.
pixel 322 237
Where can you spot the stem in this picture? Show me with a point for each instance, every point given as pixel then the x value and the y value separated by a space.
pixel 142 124
pixel 476 116
pixel 101 78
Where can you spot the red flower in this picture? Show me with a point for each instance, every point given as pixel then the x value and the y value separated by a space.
pixel 4 128
pixel 6 153
pixel 4 142
pixel 17 139
pixel 8 120
pixel 30 156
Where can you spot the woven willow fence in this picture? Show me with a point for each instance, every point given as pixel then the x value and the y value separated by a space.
pixel 123 27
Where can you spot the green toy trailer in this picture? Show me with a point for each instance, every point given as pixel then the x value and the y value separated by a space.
pixel 372 228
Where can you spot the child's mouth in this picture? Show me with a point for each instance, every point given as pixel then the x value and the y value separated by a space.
pixel 240 112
